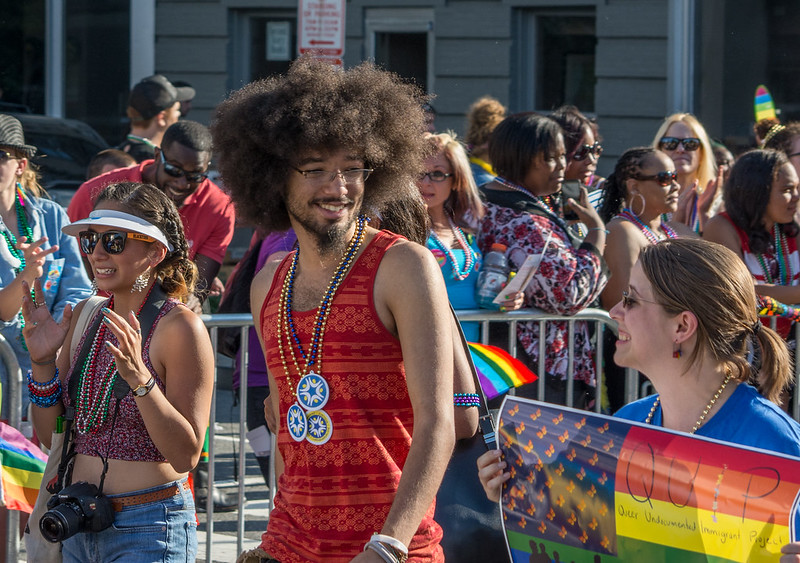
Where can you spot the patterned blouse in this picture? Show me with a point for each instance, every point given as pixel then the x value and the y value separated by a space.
pixel 568 279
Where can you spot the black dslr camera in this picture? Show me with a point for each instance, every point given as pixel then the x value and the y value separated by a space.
pixel 81 507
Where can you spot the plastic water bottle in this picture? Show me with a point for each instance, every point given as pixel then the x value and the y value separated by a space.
pixel 493 276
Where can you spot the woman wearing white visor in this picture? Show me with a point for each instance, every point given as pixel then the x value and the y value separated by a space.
pixel 138 376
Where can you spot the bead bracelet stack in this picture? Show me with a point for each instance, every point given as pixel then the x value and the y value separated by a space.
pixel 466 400
pixel 44 395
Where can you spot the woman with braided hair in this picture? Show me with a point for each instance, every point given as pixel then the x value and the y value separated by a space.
pixel 140 408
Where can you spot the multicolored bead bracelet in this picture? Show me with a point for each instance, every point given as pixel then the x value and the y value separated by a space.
pixel 466 400
pixel 46 394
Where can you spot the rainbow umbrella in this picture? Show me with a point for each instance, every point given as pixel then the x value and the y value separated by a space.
pixel 498 371
pixel 21 469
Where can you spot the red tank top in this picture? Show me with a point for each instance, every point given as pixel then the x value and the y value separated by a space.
pixel 332 497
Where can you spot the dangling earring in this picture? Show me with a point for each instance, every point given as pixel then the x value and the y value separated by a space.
pixel 644 204
pixel 94 286
pixel 141 281
pixel 676 351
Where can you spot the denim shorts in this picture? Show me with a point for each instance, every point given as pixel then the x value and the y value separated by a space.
pixel 164 531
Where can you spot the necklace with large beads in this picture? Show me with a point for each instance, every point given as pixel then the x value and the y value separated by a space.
pixel 306 419
pixel 94 392
pixel 648 233
pixel 461 239
pixel 782 257
pixel 11 241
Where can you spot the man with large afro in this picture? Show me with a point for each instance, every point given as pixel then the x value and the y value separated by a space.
pixel 354 323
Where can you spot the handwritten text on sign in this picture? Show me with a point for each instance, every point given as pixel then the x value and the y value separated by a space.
pixel 596 488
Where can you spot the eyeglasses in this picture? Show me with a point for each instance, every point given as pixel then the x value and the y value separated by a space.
pixel 671 143
pixel 5 155
pixel 435 176
pixel 320 177
pixel 177 172
pixel 585 150
pixel 628 301
pixel 663 178
pixel 113 241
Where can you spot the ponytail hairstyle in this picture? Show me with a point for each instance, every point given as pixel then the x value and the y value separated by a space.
pixel 615 191
pixel 713 283
pixel 176 273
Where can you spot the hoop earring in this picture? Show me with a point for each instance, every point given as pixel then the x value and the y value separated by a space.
pixel 141 281
pixel 644 204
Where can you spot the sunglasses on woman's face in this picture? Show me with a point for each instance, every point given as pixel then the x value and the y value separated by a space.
pixel 113 241
pixel 663 178
pixel 671 143
pixel 585 150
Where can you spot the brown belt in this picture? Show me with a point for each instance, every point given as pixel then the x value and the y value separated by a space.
pixel 162 494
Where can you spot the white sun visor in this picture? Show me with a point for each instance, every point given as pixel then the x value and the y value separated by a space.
pixel 120 220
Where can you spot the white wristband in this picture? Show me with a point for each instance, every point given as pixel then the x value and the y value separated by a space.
pixel 381 550
pixel 389 540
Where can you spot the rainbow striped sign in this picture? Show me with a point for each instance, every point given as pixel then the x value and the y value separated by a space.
pixel 498 371
pixel 593 488
pixel 764 106
pixel 21 469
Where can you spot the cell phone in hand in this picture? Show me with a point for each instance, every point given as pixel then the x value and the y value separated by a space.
pixel 570 189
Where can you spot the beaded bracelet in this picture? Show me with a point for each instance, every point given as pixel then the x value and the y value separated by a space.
pixel 466 399
pixel 44 395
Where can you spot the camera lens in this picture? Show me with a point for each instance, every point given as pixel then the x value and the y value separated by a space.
pixel 60 523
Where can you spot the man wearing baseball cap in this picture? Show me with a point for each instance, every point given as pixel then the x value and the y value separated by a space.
pixel 154 104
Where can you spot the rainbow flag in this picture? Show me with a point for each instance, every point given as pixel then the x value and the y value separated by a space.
pixel 21 469
pixel 498 371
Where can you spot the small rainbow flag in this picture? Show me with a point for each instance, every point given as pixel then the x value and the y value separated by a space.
pixel 21 469
pixel 498 371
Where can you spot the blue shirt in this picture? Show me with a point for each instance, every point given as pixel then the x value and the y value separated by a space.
pixel 745 419
pixel 461 293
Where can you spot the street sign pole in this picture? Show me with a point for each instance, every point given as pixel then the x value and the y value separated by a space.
pixel 321 29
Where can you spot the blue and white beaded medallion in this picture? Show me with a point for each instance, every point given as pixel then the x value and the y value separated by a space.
pixel 313 392
pixel 297 423
pixel 320 427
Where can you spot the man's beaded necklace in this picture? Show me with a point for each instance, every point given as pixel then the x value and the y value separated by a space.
pixel 94 397
pixel 649 234
pixel 782 257
pixel 306 419
pixel 461 239
pixel 706 410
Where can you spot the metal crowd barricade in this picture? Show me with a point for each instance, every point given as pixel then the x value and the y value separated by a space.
pixel 14 392
pixel 600 318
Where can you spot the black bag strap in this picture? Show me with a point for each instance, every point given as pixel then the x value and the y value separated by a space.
pixel 147 316
pixel 485 422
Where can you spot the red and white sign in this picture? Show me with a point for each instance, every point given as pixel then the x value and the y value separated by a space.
pixel 321 29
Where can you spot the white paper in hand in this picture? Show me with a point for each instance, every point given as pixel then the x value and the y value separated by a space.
pixel 524 274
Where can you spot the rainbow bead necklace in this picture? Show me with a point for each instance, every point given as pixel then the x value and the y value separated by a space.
pixel 461 239
pixel 306 419
pixel 629 215
pixel 782 256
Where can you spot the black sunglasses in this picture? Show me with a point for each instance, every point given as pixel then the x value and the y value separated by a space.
pixel 663 178
pixel 177 172
pixel 5 155
pixel 113 241
pixel 585 150
pixel 671 143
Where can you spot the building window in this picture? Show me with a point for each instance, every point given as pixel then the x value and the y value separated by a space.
pixel 555 59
